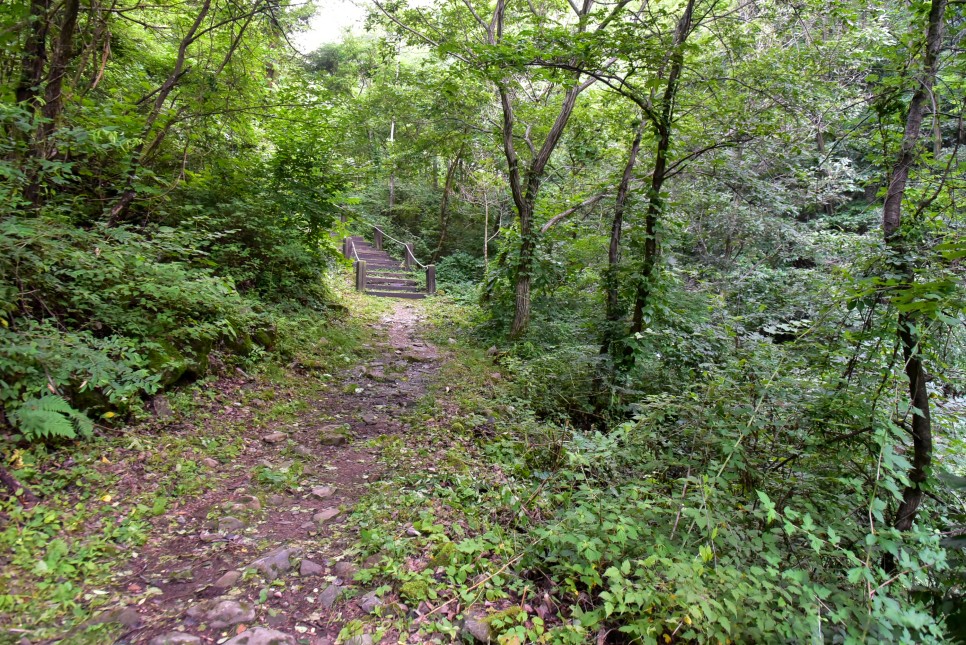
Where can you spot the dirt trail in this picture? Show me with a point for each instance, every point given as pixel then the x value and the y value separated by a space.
pixel 197 571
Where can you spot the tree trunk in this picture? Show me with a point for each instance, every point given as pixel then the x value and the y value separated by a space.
pixel 662 130
pixel 63 51
pixel 444 202
pixel 524 273
pixel 41 148
pixel 908 323
pixel 614 312
pixel 34 57
pixel 392 192
pixel 120 207
pixel 525 198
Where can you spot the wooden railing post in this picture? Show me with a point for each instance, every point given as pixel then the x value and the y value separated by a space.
pixel 345 248
pixel 378 239
pixel 431 279
pixel 361 276
pixel 343 217
pixel 408 262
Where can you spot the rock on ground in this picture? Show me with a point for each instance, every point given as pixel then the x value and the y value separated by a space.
pixel 125 616
pixel 228 579
pixel 175 638
pixel 325 515
pixel 328 597
pixel 476 628
pixel 332 439
pixel 346 570
pixel 273 564
pixel 223 613
pixel 230 524
pixel 361 639
pixel 309 568
pixel 370 602
pixel 261 636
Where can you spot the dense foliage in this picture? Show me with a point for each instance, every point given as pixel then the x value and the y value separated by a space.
pixel 748 371
pixel 167 188
pixel 717 247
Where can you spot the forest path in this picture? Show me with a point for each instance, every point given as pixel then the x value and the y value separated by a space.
pixel 263 554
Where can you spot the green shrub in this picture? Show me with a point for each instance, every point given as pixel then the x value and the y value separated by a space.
pixel 94 319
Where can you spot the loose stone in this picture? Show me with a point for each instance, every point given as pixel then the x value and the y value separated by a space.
pixel 325 515
pixel 328 597
pixel 175 638
pixel 346 570
pixel 262 636
pixel 223 613
pixel 275 563
pixel 228 579
pixel 309 568
pixel 230 525
pixel 476 628
pixel 361 639
pixel 370 602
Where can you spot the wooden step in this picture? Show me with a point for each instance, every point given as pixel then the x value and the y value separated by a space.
pixel 388 275
pixel 396 287
pixel 401 282
pixel 410 295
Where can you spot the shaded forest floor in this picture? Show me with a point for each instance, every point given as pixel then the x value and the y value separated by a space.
pixel 254 507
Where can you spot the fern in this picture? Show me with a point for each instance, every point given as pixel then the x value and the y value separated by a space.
pixel 50 417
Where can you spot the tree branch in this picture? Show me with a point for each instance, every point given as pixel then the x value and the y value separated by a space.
pixel 556 219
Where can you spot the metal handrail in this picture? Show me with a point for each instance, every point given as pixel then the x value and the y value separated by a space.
pixel 405 245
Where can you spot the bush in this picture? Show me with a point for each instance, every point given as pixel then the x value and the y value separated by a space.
pixel 97 318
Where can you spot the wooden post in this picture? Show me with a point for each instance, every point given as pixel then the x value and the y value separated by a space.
pixel 345 248
pixel 361 276
pixel 431 279
pixel 378 239
pixel 343 217
pixel 408 262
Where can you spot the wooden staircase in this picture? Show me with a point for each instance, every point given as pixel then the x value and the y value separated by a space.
pixel 380 274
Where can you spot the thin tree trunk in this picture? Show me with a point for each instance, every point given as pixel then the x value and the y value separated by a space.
pixel 908 322
pixel 486 234
pixel 33 62
pixel 54 92
pixel 614 312
pixel 128 194
pixel 53 98
pixel 392 192
pixel 525 196
pixel 662 130
pixel 444 202
pixel 34 57
pixel 524 274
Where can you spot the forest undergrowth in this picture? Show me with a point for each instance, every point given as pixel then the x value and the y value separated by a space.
pixel 701 315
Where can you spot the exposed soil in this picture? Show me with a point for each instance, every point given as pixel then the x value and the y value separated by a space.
pixel 194 552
